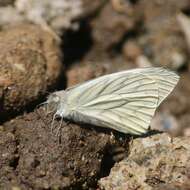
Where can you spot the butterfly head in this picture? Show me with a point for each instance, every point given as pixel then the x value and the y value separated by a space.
pixel 55 99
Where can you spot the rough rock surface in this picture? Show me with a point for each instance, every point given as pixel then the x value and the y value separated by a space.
pixel 58 14
pixel 54 16
pixel 106 34
pixel 164 42
pixel 153 161
pixel 29 66
pixel 33 157
pixel 92 7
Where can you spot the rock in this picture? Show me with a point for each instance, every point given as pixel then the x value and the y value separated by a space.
pixel 33 157
pixel 184 22
pixel 178 105
pixel 30 66
pixel 54 16
pixel 176 186
pixel 163 42
pixel 76 74
pixel 143 61
pixel 57 14
pixel 131 50
pixel 111 25
pixel 90 68
pixel 8 157
pixel 91 7
pixel 187 132
pixel 161 12
pixel 85 71
pixel 153 161
pixel 6 2
pixel 10 17
pixel 164 121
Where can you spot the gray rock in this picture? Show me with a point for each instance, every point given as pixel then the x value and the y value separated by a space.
pixel 152 162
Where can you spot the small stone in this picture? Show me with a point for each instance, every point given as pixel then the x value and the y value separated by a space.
pixel 178 60
pixel 131 50
pixel 143 61
pixel 79 74
pixel 186 132
pixel 16 188
pixel 164 121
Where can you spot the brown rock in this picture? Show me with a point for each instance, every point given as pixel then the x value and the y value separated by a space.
pixel 111 24
pixel 161 12
pixel 178 105
pixel 6 2
pixel 84 71
pixel 131 50
pixel 78 74
pixel 29 66
pixel 33 157
pixel 91 7
pixel 163 42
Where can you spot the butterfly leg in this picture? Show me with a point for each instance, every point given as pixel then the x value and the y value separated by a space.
pixel 43 103
pixel 52 123
pixel 58 132
pixel 59 128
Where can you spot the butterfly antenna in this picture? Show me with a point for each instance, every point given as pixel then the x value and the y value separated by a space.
pixel 43 103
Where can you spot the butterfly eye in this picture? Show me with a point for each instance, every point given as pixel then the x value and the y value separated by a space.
pixel 53 98
pixel 56 99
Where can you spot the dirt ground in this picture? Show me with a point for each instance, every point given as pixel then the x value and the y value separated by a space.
pixel 49 51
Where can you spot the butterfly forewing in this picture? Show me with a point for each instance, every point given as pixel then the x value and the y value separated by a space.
pixel 166 81
pixel 125 101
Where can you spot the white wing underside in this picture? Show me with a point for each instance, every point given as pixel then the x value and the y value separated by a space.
pixel 125 101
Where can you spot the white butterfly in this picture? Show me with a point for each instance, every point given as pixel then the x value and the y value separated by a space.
pixel 125 101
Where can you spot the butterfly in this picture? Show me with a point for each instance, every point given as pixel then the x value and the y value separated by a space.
pixel 124 101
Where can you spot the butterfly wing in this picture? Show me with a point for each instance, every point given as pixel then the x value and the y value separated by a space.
pixel 166 80
pixel 125 101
